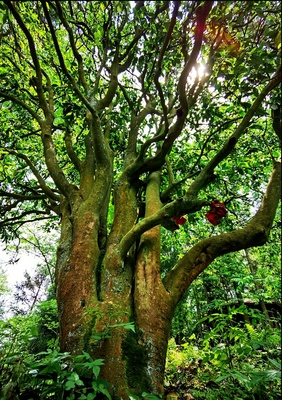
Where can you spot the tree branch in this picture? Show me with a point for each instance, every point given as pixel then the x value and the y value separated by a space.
pixel 22 197
pixel 154 163
pixel 107 99
pixel 177 207
pixel 205 175
pixel 276 122
pixel 255 233
pixel 49 192
pixel 52 163
pixel 62 62
pixel 76 53
pixel 39 85
pixel 71 153
pixel 15 100
pixel 201 16
pixel 165 195
pixel 129 53
pixel 219 129
pixel 19 222
pixel 160 61
pixel 136 121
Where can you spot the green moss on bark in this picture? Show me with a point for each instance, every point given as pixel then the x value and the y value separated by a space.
pixel 136 356
pixel 88 336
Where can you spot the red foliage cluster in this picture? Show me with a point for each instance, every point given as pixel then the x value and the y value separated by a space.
pixel 179 220
pixel 217 211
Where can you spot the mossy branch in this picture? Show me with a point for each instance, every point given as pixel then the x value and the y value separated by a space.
pixel 177 207
pixel 255 233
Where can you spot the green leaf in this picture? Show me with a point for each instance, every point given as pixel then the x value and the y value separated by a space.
pixel 149 396
pixel 70 384
pixel 91 396
pixel 128 325
pixel 132 396
pixel 275 363
pixel 96 370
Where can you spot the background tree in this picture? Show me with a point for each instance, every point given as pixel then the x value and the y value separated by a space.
pixel 118 119
pixel 37 284
pixel 4 290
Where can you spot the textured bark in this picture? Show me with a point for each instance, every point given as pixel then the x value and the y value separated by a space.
pixel 85 306
pixel 75 279
pixel 153 319
pixel 152 303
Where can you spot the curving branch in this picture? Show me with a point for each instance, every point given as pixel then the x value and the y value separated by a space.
pixel 62 62
pixel 255 233
pixel 199 84
pixel 76 53
pixel 21 197
pixel 154 163
pixel 21 103
pixel 9 205
pixel 136 121
pixel 70 150
pixel 201 16
pixel 170 135
pixel 101 148
pixel 160 62
pixel 50 92
pixel 20 222
pixel 108 98
pixel 51 161
pixel 165 195
pixel 129 52
pixel 176 207
pixel 219 129
pixel 204 177
pixel 32 49
pixel 49 192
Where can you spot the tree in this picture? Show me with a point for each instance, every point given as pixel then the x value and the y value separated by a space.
pixel 118 118
pixel 4 290
pixel 36 286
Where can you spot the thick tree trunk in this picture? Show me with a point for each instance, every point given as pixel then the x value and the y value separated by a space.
pixel 89 307
pixel 153 319
pixel 77 256
pixel 96 290
pixel 152 303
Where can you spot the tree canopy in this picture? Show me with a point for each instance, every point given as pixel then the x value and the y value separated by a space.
pixel 166 94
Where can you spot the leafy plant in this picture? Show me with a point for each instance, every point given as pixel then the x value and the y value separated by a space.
pixel 56 375
pixel 230 361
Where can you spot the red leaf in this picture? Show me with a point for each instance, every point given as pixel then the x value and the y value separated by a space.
pixel 179 220
pixel 217 211
pixel 220 212
pixel 213 218
pixel 215 203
